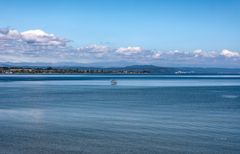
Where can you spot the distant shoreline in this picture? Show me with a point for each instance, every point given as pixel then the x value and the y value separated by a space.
pixel 65 71
pixel 128 70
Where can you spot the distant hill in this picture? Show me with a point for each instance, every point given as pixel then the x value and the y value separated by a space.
pixel 151 69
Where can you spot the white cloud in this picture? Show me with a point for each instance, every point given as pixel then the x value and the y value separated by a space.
pixel 31 46
pixel 39 46
pixel 229 54
pixel 42 38
pixel 94 51
pixel 204 54
pixel 94 48
pixel 156 55
pixel 36 37
pixel 129 50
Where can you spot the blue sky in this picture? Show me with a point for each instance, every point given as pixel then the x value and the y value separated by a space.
pixel 184 25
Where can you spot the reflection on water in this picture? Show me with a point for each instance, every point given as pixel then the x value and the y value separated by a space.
pixel 147 115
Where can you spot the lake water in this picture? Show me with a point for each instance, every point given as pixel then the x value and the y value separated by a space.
pixel 142 114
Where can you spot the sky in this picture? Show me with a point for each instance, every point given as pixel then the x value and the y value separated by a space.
pixel 201 33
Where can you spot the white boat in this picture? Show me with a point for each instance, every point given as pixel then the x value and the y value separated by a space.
pixel 113 82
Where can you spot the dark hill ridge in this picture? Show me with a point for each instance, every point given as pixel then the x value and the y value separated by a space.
pixel 152 69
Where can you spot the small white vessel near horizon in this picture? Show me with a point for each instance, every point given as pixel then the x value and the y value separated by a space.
pixel 113 82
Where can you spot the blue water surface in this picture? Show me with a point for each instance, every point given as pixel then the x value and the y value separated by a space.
pixel 141 114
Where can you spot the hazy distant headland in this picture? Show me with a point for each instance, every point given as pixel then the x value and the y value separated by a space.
pixel 133 69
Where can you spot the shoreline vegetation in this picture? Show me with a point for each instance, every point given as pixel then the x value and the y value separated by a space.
pixel 50 70
pixel 134 69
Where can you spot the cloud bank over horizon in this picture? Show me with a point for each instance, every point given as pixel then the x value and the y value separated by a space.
pixel 38 46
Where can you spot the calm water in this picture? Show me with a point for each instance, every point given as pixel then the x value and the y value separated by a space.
pixel 142 114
